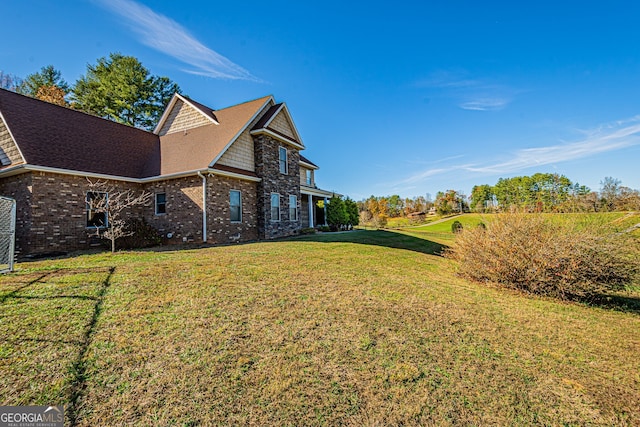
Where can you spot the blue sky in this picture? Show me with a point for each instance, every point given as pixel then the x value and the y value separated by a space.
pixel 401 98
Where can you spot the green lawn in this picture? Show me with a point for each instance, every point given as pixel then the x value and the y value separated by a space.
pixel 362 328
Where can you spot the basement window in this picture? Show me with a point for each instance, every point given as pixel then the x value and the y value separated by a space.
pixel 161 203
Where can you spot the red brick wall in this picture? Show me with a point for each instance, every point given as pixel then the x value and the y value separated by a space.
pixel 51 210
pixel 18 187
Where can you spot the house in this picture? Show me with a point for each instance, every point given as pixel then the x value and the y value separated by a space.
pixel 216 175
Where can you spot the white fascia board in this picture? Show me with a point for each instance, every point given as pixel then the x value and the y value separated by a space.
pixel 237 135
pixel 316 192
pixel 12 138
pixel 308 165
pixel 15 170
pixel 35 168
pixel 187 101
pixel 293 125
pixel 228 174
pixel 273 116
pixel 280 138
pixel 172 103
pixel 165 114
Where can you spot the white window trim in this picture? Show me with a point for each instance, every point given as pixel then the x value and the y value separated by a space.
pixel 155 198
pixel 240 193
pixel 294 207
pixel 286 160
pixel 279 207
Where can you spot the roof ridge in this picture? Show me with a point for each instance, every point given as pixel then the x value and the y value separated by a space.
pixel 246 102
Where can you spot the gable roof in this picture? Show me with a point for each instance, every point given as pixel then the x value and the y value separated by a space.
pixel 58 137
pixel 200 147
pixel 262 126
pixel 52 136
pixel 206 112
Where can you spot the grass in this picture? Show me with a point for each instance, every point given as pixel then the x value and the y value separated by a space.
pixel 363 328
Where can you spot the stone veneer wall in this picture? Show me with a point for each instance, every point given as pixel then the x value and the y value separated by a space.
pixel 267 167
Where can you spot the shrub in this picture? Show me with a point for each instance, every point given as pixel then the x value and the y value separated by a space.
pixel 141 235
pixel 456 227
pixel 380 221
pixel 536 254
pixel 308 230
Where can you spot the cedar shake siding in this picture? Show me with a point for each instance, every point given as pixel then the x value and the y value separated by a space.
pixel 9 153
pixel 47 152
pixel 183 117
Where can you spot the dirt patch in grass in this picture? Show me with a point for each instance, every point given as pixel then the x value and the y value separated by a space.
pixel 322 331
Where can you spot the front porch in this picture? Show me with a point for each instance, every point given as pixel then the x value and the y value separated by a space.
pixel 312 206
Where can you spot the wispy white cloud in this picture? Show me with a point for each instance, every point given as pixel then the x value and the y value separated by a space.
pixel 469 93
pixel 166 35
pixel 601 140
pixel 485 104
pixel 610 137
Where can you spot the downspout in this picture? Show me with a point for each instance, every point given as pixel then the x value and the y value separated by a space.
pixel 204 207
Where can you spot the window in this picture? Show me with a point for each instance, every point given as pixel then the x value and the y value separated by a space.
pixel 283 160
pixel 309 180
pixel 96 204
pixel 161 203
pixel 235 205
pixel 293 208
pixel 275 207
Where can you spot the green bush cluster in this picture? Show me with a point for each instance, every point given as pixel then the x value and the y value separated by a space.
pixel 141 235
pixel 534 253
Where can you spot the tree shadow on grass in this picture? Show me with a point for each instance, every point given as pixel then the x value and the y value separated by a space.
pixel 27 290
pixel 617 302
pixel 383 238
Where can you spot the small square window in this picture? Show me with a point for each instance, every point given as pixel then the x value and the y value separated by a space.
pixel 283 160
pixel 161 203
pixel 275 207
pixel 235 205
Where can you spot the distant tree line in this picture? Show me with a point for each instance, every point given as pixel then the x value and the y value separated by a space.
pixel 377 209
pixel 117 88
pixel 541 192
pixel 546 192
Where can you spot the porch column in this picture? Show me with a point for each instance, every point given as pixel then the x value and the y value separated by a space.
pixel 324 207
pixel 310 198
